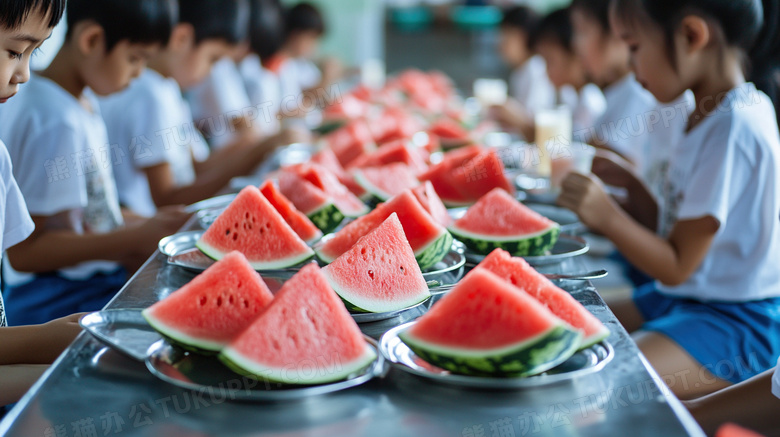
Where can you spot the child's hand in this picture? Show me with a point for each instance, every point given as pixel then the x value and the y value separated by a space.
pixel 585 196
pixel 57 334
pixel 613 169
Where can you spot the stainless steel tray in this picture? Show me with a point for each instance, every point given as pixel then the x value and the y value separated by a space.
pixel 207 374
pixel 570 223
pixel 125 330
pixel 566 247
pixel 376 317
pixel 584 362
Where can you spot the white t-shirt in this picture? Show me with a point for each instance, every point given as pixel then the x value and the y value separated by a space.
pixel 151 123
pixel 62 162
pixel 265 93
pixel 219 99
pixel 307 73
pixel 586 106
pixel 15 221
pixel 728 167
pixel 531 87
pixel 623 125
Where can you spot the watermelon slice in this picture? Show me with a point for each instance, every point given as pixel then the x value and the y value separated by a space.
pixel 320 177
pixel 498 221
pixel 429 200
pixel 386 181
pixel 480 175
pixel 520 274
pixel 305 336
pixel 379 273
pixel 209 311
pixel 441 175
pixel 296 219
pixel 732 430
pixel 430 241
pixel 396 151
pixel 327 159
pixel 311 201
pixel 351 141
pixel 487 327
pixel 252 226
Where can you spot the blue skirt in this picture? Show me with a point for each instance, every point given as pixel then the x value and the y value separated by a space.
pixel 734 341
pixel 51 296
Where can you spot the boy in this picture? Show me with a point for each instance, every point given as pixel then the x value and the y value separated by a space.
pixel 529 85
pixel 57 141
pixel 24 351
pixel 151 121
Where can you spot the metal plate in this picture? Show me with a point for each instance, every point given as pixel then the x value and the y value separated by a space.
pixel 125 330
pixel 566 247
pixel 570 223
pixel 450 269
pixel 582 363
pixel 212 203
pixel 376 317
pixel 207 374
pixel 181 251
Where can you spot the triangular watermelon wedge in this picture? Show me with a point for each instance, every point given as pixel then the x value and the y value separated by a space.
pixel 520 274
pixel 441 175
pixel 481 175
pixel 386 181
pixel 252 226
pixel 426 195
pixel 296 219
pixel 430 241
pixel 394 152
pixel 327 159
pixel 379 273
pixel 322 178
pixel 305 336
pixel 310 200
pixel 499 221
pixel 351 141
pixel 208 312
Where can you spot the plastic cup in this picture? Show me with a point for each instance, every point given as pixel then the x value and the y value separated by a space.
pixel 576 157
pixel 490 92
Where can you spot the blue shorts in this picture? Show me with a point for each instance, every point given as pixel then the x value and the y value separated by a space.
pixel 734 341
pixel 51 296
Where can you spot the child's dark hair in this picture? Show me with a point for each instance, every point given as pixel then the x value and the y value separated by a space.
pixel 556 27
pixel 227 20
pixel 305 17
pixel 522 18
pixel 139 21
pixel 14 12
pixel 596 9
pixel 765 55
pixel 266 27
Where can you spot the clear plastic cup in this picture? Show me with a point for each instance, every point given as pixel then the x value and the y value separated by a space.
pixel 576 157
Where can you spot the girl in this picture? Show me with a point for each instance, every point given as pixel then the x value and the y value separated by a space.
pixel 711 317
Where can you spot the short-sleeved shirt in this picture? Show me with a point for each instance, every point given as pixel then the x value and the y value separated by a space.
pixel 265 93
pixel 530 85
pixel 728 168
pixel 62 162
pixel 218 99
pixel 15 221
pixel 586 106
pixel 151 124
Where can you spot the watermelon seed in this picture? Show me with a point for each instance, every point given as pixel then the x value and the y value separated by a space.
pixel 235 237
pixel 371 274
pixel 231 299
pixel 227 232
pixel 244 303
pixel 268 225
pixel 219 301
pixel 247 215
pixel 203 300
pixel 403 270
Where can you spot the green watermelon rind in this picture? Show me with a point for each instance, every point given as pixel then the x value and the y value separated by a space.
pixel 242 366
pixel 434 252
pixel 376 195
pixel 527 358
pixel 283 263
pixel 186 342
pixel 352 302
pixel 327 218
pixel 534 244
pixel 596 338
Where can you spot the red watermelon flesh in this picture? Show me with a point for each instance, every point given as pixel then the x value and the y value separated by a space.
pixel 252 226
pixel 345 201
pixel 419 227
pixel 480 175
pixel 396 151
pixel 214 307
pixel 296 219
pixel 499 214
pixel 520 274
pixel 447 129
pixel 305 336
pixel 441 175
pixel 351 141
pixel 302 193
pixel 483 312
pixel 379 273
pixel 327 159
pixel 732 430
pixel 386 181
pixel 426 195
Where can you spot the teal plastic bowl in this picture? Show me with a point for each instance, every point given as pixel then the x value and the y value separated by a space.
pixel 476 17
pixel 411 19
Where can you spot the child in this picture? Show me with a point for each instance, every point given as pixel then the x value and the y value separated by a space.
pixel 24 350
pixel 529 85
pixel 152 122
pixel 553 42
pixel 58 145
pixel 711 316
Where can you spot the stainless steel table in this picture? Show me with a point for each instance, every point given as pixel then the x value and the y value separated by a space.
pixel 92 391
